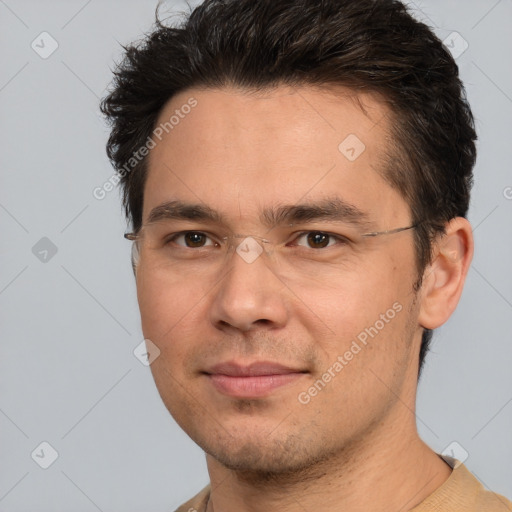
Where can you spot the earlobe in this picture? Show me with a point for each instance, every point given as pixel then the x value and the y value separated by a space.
pixel 444 278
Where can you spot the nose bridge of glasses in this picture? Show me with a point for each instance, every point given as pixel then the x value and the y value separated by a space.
pixel 248 247
pixel 236 238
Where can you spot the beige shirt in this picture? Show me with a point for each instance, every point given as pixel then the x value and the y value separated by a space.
pixel 462 492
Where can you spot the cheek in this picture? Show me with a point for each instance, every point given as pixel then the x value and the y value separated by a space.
pixel 172 317
pixel 167 305
pixel 365 317
pixel 352 302
pixel 369 357
pixel 170 314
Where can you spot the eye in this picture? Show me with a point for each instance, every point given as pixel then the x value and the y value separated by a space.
pixel 320 239
pixel 190 239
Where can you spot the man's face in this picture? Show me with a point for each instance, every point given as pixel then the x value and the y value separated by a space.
pixel 343 325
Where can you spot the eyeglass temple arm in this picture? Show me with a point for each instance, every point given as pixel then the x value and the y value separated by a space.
pixel 391 231
pixel 133 236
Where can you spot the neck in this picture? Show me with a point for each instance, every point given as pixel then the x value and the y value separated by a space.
pixel 390 469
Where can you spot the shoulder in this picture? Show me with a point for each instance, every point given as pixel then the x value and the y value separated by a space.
pixel 197 503
pixel 462 492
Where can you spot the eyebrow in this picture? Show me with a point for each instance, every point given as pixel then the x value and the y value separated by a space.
pixel 179 210
pixel 332 209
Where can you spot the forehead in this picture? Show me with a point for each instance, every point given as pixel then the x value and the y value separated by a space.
pixel 240 149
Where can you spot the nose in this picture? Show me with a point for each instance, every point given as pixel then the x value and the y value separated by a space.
pixel 250 295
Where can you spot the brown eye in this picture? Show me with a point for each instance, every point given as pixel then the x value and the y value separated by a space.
pixel 193 239
pixel 190 239
pixel 317 239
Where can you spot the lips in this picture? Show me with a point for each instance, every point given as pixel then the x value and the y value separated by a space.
pixel 252 370
pixel 258 379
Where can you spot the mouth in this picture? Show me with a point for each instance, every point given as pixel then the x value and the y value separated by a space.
pixel 256 380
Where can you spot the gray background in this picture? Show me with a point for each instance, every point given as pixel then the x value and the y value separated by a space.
pixel 70 321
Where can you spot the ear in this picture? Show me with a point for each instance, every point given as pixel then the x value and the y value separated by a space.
pixel 443 279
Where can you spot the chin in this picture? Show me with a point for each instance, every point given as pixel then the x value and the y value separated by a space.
pixel 266 457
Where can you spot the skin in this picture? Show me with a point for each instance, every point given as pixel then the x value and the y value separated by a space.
pixel 355 446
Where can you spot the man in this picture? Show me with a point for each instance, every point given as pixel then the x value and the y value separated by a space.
pixel 297 176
